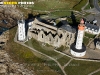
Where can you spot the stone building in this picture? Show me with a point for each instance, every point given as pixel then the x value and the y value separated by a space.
pixel 98 44
pixel 51 34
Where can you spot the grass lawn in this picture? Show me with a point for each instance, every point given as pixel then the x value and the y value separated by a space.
pixel 63 60
pixel 77 67
pixel 99 2
pixel 61 48
pixel 80 5
pixel 85 41
pixel 40 6
pixel 98 73
pixel 61 13
pixel 22 54
pixel 87 7
pixel 89 35
pixel 52 4
pixel 91 3
pixel 35 44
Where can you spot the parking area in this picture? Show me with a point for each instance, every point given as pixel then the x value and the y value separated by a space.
pixel 92 17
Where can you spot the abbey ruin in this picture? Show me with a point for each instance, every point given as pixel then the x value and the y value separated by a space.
pixel 51 34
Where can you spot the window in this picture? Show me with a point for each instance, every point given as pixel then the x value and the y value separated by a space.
pixel 42 35
pixel 49 39
pixel 57 40
pixel 67 35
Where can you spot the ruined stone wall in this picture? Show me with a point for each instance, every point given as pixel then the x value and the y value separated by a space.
pixel 98 44
pixel 52 36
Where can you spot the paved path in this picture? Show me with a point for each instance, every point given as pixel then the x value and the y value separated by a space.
pixel 85 6
pixel 95 10
pixel 93 54
pixel 92 40
pixel 67 63
pixel 96 5
pixel 94 72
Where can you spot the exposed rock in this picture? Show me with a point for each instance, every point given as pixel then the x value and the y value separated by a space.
pixel 1 10
pixel 10 14
pixel 3 68
pixel 8 67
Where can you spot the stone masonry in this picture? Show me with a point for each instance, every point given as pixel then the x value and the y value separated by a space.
pixel 51 34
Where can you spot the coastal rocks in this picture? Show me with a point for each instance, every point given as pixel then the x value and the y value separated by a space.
pixel 8 19
pixel 1 10
pixel 8 67
pixel 3 68
pixel 9 16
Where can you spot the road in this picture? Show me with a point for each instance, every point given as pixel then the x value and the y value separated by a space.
pixel 96 5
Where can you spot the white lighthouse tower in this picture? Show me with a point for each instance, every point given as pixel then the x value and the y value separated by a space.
pixel 78 49
pixel 21 30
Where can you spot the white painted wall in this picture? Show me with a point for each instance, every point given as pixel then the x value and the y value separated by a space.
pixel 21 30
pixel 77 54
pixel 79 39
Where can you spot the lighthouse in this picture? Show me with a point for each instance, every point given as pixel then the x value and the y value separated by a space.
pixel 21 30
pixel 78 49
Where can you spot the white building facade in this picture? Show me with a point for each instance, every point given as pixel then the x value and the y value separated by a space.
pixel 93 29
pixel 21 30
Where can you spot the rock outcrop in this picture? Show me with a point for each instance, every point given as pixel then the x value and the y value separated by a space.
pixel 8 67
pixel 9 16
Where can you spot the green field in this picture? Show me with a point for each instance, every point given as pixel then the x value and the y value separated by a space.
pixel 87 7
pixel 63 60
pixel 57 8
pixel 22 54
pixel 52 4
pixel 85 41
pixel 91 3
pixel 99 2
pixel 61 13
pixel 89 35
pixel 36 45
pixel 81 67
pixel 80 5
pixel 61 49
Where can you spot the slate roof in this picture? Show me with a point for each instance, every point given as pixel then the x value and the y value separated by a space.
pixel 91 26
pixel 30 20
pixel 67 27
pixel 64 25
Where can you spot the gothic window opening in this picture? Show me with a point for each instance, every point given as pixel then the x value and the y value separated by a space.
pixel 67 35
pixel 57 40
pixel 61 36
pixel 49 39
pixel 42 35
